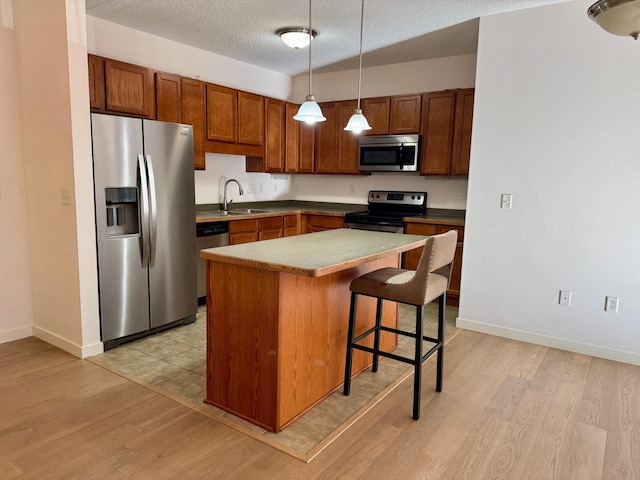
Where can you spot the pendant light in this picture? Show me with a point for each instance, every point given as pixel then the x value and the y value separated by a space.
pixel 309 111
pixel 619 17
pixel 357 123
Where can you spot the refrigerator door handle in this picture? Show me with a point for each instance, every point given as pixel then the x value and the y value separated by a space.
pixel 144 210
pixel 153 210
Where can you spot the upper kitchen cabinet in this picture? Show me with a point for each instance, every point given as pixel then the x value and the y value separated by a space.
pixel 235 122
pixel 446 132
pixel 462 132
pixel 377 111
pixel 194 112
pixel 274 148
pixel 168 97
pixel 336 150
pixel 326 140
pixel 129 89
pixel 292 139
pixel 96 83
pixel 405 114
pixel 306 158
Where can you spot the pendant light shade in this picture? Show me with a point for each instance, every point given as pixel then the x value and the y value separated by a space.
pixel 619 17
pixel 309 111
pixel 357 123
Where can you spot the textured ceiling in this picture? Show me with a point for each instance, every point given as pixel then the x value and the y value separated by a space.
pixel 395 31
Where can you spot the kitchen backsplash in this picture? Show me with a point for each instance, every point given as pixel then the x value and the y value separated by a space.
pixel 444 192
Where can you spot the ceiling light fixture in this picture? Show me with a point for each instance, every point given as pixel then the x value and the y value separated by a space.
pixel 619 17
pixel 357 123
pixel 309 111
pixel 296 37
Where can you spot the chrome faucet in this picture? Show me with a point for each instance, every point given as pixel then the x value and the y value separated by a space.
pixel 225 203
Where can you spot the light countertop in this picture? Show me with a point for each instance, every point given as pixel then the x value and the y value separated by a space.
pixel 316 254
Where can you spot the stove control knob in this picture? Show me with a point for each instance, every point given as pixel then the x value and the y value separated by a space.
pixel 413 197
pixel 419 197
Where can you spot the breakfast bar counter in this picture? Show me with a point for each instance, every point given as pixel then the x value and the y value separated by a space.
pixel 277 315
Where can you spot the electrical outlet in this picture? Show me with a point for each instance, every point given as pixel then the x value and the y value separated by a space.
pixel 565 297
pixel 351 189
pixel 505 200
pixel 297 187
pixel 611 304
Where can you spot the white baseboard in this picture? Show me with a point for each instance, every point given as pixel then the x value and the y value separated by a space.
pixel 66 345
pixel 547 341
pixel 16 334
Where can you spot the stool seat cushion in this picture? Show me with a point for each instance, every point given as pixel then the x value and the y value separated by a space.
pixel 399 285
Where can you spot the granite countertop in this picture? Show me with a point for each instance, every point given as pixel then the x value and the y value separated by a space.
pixel 207 213
pixel 316 254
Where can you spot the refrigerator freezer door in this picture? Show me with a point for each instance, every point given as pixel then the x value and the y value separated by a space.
pixel 123 280
pixel 172 271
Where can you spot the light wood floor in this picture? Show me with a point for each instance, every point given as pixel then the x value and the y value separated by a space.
pixel 508 410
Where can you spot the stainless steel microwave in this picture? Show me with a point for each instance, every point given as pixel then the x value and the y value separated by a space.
pixel 389 153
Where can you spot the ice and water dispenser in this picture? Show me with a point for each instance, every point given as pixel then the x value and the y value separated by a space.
pixel 122 211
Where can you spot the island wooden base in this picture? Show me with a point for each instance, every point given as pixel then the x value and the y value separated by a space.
pixel 276 341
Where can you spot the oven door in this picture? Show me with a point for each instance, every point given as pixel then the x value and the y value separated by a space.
pixel 374 227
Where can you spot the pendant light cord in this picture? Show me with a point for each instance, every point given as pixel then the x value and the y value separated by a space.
pixel 360 67
pixel 310 42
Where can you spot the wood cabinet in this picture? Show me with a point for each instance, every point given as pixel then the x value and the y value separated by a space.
pixel 326 140
pixel 412 257
pixel 336 150
pixel 319 223
pixel 377 112
pixel 96 83
pixel 266 228
pixel 405 114
pixel 306 159
pixel 461 151
pixel 235 122
pixel 168 97
pixel 121 88
pixel 193 95
pixel 129 89
pixel 292 139
pixel 274 148
pixel 446 132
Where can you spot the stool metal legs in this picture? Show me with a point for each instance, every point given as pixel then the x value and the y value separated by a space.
pixel 439 367
pixel 417 375
pixel 376 339
pixel 350 334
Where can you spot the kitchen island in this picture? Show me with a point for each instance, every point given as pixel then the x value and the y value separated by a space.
pixel 277 316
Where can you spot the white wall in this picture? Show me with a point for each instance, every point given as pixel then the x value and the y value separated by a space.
pixel 556 124
pixel 16 314
pixel 114 41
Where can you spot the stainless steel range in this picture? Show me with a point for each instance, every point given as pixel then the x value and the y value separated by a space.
pixel 387 210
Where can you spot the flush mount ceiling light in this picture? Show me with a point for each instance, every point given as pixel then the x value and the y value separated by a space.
pixel 619 17
pixel 358 122
pixel 296 37
pixel 309 112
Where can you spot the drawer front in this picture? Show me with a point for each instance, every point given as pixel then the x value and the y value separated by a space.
pixel 269 234
pixel 322 222
pixel 291 221
pixel 243 226
pixel 446 228
pixel 420 229
pixel 270 223
pixel 238 238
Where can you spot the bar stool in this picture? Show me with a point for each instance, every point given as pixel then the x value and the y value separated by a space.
pixel 429 281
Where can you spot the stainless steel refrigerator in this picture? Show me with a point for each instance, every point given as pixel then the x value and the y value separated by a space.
pixel 145 225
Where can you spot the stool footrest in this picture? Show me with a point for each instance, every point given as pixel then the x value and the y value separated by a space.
pixel 393 356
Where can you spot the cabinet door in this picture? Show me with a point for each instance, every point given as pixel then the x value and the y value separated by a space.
pixel 412 257
pixel 320 223
pixel 194 113
pixel 307 148
pixel 377 112
pixel 347 141
pixel 129 89
pixel 274 150
pixel 326 142
pixel 243 231
pixel 96 83
pixel 292 139
pixel 291 225
pixel 250 119
pixel 405 114
pixel 168 97
pixel 222 114
pixel 462 132
pixel 437 133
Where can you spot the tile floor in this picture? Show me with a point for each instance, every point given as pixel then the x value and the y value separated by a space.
pixel 175 361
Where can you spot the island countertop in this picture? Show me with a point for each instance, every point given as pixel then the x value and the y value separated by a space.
pixel 316 254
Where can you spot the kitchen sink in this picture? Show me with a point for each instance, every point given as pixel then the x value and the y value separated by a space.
pixel 235 211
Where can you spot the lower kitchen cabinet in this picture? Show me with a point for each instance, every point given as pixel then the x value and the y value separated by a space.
pixel 270 227
pixel 243 231
pixel 412 257
pixel 319 223
pixel 266 228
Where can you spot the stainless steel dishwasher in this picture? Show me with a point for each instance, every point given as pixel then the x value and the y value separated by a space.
pixel 209 235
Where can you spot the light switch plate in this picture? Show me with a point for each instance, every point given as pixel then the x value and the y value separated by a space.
pixel 505 200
